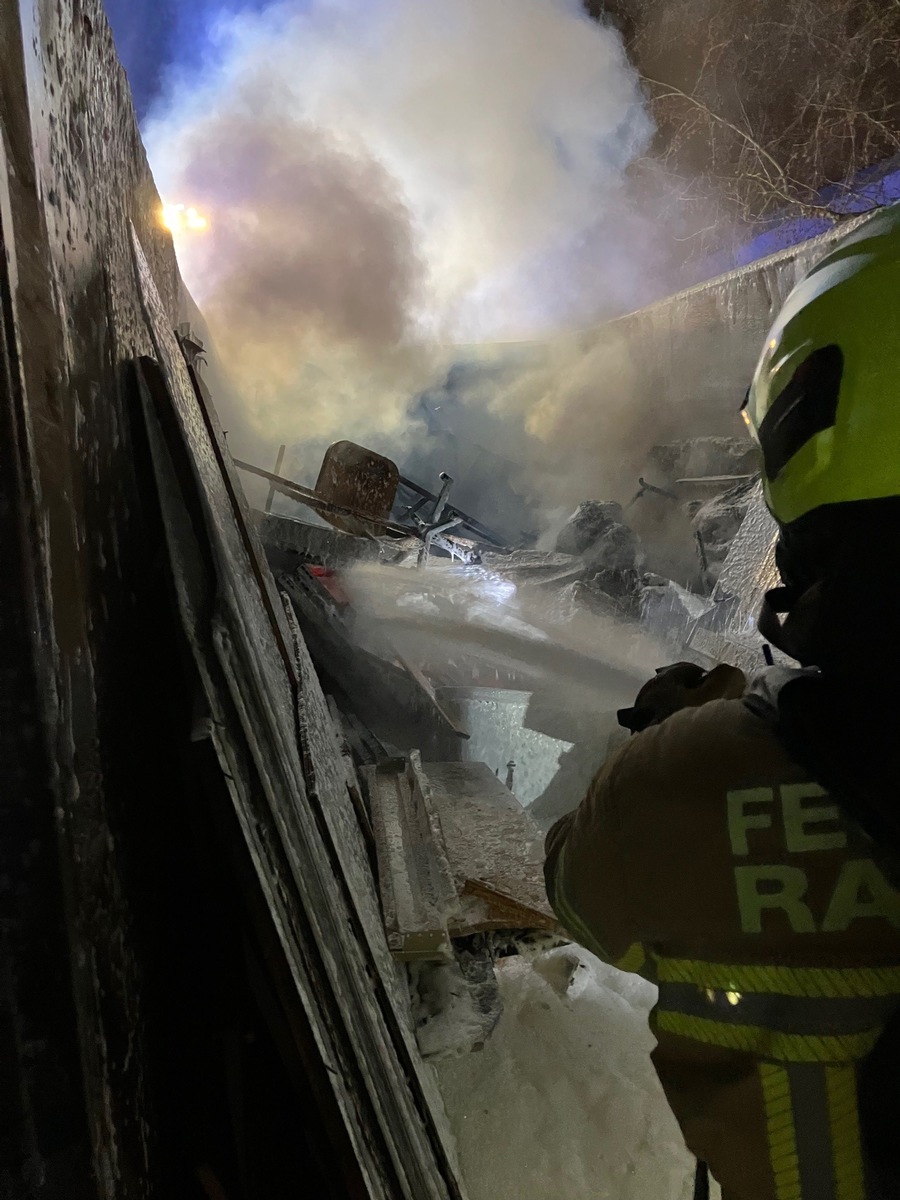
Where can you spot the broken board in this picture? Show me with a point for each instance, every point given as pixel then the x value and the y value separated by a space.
pixel 457 856
pixel 494 848
pixel 270 731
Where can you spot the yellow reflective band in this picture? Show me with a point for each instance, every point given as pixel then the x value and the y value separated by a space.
pixel 780 1131
pixel 633 958
pixel 846 1143
pixel 767 1043
pixel 822 982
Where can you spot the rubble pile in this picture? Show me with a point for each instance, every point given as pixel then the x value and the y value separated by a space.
pixel 611 553
pixel 716 522
pixel 468 755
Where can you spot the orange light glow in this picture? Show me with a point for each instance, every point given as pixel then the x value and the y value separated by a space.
pixel 179 218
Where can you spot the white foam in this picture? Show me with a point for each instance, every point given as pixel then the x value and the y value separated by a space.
pixel 563 1101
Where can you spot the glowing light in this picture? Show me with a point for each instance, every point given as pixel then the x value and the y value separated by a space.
pixel 772 344
pixel 733 998
pixel 179 218
pixel 746 417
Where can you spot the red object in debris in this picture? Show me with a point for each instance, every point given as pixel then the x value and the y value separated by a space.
pixel 330 581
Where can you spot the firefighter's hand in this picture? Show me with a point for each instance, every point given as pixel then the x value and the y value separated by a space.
pixel 681 685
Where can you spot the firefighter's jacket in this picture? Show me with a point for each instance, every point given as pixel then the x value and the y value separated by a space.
pixel 704 859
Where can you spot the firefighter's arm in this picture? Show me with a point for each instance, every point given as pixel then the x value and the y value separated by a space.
pixel 586 875
pixel 595 855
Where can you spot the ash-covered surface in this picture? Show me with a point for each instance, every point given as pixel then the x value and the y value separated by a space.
pixel 488 835
pixel 301 541
pixel 537 568
pixel 455 1005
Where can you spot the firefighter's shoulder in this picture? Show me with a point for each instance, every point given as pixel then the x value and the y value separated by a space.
pixel 719 745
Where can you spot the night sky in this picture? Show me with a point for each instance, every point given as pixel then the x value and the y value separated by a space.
pixel 154 37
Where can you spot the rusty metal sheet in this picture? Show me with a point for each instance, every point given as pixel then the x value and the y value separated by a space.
pixel 283 774
pixel 353 477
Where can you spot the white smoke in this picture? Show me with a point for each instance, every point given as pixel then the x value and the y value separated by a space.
pixel 381 176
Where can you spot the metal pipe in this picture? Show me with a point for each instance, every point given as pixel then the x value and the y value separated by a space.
pixel 446 485
pixel 278 461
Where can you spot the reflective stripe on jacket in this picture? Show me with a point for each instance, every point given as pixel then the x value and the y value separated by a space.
pixel 702 858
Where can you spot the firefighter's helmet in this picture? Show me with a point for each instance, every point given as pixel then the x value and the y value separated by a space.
pixel 824 403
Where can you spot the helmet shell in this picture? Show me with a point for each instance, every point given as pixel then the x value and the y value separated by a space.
pixel 824 403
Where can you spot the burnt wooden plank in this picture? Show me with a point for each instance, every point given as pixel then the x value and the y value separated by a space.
pixel 418 894
pixel 287 787
pixel 43 1127
pixel 457 855
pixel 75 168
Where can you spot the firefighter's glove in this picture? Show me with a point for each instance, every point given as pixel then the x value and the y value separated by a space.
pixel 681 685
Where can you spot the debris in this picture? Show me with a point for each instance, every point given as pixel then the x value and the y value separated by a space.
pixel 494 849
pixel 456 1005
pixel 357 491
pixel 726 631
pixel 558 969
pixel 587 525
pixel 356 479
pixel 276 470
pixel 457 855
pixel 481 532
pixel 716 521
pixel 706 456
pixel 289 543
pixel 670 612
pixel 536 568
pixel 644 487
pixel 325 507
pixel 424 683
pixel 418 893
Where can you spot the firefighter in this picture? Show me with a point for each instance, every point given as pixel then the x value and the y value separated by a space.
pixel 740 851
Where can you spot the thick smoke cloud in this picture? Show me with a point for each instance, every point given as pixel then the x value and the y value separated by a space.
pixel 387 177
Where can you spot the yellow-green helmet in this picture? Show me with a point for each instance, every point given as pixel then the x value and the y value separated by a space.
pixel 824 403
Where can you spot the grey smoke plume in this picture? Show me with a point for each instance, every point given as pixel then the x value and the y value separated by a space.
pixel 386 177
